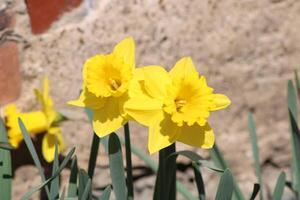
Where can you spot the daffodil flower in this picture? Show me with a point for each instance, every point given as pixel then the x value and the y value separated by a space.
pixel 44 121
pixel 105 87
pixel 175 105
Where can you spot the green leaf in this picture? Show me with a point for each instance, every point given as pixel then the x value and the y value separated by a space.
pixel 83 180
pixel 93 155
pixel 256 188
pixel 255 150
pixel 72 189
pixel 225 188
pixel 87 191
pixel 6 146
pixel 197 158
pixel 116 167
pixel 54 188
pixel 45 183
pixel 33 153
pixel 295 137
pixel 220 162
pixel 297 82
pixel 5 166
pixel 278 192
pixel 106 193
pixel 128 162
pixel 199 181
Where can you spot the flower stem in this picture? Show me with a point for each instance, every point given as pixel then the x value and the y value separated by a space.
pixel 166 187
pixel 93 155
pixel 128 162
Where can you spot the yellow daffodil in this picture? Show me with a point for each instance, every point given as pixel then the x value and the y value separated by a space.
pixel 36 122
pixel 105 87
pixel 175 105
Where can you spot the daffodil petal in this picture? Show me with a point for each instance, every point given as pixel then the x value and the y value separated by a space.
pixel 220 101
pixel 197 136
pixel 108 118
pixel 89 100
pixel 184 68
pixel 48 147
pixel 162 134
pixel 156 79
pixel 144 110
pixel 126 51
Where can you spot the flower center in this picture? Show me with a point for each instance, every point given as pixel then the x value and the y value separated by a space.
pixel 179 104
pixel 114 84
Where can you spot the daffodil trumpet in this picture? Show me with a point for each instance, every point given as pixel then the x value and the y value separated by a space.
pixel 175 106
pixel 37 122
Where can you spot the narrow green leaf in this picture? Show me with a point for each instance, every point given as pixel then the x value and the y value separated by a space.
pixel 255 150
pixel 6 146
pixel 256 188
pixel 197 158
pixel 116 167
pixel 5 166
pixel 72 189
pixel 199 181
pixel 292 100
pixel 128 162
pixel 54 187
pixel 225 188
pixel 106 193
pixel 278 192
pixel 297 82
pixel 295 137
pixel 93 155
pixel 66 160
pixel 83 179
pixel 218 159
pixel 87 190
pixel 33 153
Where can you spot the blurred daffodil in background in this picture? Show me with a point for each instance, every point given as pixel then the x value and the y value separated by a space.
pixel 105 87
pixel 37 122
pixel 175 105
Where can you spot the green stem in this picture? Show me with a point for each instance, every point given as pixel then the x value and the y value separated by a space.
pixel 167 174
pixel 154 166
pixel 93 155
pixel 128 162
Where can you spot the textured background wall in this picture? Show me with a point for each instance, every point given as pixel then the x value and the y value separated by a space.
pixel 247 49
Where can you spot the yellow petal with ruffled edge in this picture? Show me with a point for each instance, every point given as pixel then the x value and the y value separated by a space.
pixel 89 100
pixel 197 136
pixel 110 117
pixel 126 51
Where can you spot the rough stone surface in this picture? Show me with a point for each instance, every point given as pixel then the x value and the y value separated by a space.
pixel 246 49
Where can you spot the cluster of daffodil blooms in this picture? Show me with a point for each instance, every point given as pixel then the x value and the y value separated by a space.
pixel 174 105
pixel 37 122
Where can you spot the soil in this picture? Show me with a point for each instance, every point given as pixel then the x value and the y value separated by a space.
pixel 246 49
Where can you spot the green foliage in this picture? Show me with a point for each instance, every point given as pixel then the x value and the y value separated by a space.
pixel 116 167
pixel 255 150
pixel 277 195
pixel 225 188
pixel 217 157
pixel 5 165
